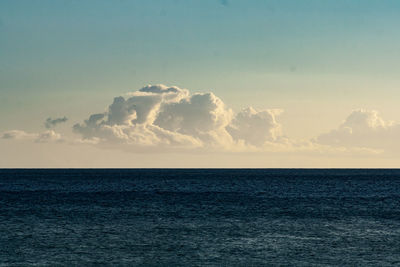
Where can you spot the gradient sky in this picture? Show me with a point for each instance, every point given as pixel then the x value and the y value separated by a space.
pixel 316 60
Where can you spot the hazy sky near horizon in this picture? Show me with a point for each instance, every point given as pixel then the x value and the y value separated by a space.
pixel 321 78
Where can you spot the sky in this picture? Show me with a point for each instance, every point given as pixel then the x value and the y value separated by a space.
pixel 206 83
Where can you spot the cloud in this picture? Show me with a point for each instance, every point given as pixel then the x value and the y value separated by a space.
pixel 201 116
pixel 170 117
pixel 255 127
pixel 48 136
pixel 50 123
pixel 17 134
pixel 159 118
pixel 365 129
pixel 44 137
pixel 130 121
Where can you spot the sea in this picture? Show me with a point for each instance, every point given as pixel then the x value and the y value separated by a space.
pixel 200 217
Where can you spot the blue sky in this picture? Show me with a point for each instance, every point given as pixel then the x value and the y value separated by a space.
pixel 70 45
pixel 317 60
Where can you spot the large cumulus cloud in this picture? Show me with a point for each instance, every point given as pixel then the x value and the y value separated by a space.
pixel 364 128
pixel 162 116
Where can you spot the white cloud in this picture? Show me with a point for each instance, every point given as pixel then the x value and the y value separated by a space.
pixel 169 117
pixel 364 129
pixel 201 116
pixel 255 127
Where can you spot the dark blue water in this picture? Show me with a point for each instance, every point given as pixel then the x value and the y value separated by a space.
pixel 200 217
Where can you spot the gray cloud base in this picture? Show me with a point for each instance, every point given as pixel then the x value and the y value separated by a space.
pixel 50 123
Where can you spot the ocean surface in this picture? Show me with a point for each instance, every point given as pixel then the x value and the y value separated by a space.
pixel 200 217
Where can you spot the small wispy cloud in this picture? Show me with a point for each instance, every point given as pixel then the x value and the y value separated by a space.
pixel 44 137
pixel 50 123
